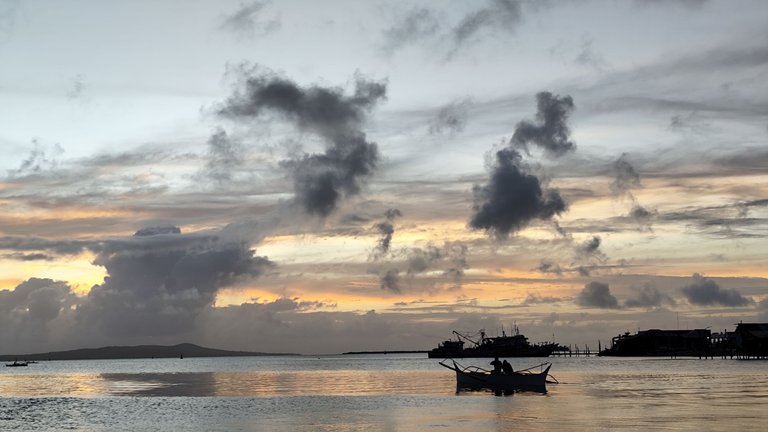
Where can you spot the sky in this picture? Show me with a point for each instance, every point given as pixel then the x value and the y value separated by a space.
pixel 323 177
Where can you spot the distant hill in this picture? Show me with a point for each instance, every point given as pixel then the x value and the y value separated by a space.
pixel 131 352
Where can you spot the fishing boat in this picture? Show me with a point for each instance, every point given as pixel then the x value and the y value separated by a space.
pixel 477 378
pixel 515 345
pixel 16 364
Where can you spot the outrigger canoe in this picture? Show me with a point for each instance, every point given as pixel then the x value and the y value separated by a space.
pixel 476 378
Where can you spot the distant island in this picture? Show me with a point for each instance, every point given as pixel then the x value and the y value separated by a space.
pixel 385 352
pixel 135 352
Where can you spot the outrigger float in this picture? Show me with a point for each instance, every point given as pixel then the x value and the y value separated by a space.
pixel 477 378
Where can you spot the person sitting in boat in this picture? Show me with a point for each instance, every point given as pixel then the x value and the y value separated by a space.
pixel 507 368
pixel 496 366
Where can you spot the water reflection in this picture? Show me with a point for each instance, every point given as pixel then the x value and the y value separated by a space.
pixel 161 384
pixel 378 393
pixel 253 383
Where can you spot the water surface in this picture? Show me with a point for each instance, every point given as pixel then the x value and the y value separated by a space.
pixel 378 392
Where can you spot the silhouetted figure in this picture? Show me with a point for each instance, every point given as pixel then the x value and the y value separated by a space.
pixel 507 368
pixel 496 366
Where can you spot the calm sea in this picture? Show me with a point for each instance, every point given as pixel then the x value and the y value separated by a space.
pixel 379 393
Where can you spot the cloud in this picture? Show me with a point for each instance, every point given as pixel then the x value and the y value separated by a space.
pixel 640 213
pixel 77 91
pixel 320 180
pixel 27 257
pixel 38 300
pixel 60 247
pixel 247 21
pixel 415 25
pixel 762 310
pixel 706 292
pixel 225 155
pixel 587 56
pixel 451 119
pixel 390 281
pixel 432 263
pixel 626 178
pixel 551 133
pixel 648 296
pixel 41 158
pixel 387 230
pixel 590 248
pixel 547 266
pixel 598 295
pixel 159 281
pixel 158 230
pixel 503 15
pixel 512 198
pixel 534 298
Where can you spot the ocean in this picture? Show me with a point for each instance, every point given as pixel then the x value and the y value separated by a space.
pixel 396 392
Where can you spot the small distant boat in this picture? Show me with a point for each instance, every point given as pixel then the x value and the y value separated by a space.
pixel 477 378
pixel 16 364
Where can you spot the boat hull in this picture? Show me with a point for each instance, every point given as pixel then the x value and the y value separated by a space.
pixel 543 351
pixel 475 380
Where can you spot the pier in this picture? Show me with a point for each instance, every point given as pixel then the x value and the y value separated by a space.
pixel 574 351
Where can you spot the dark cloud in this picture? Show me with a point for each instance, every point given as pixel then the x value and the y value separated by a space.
pixel 415 25
pixel 551 133
pixel 159 281
pixel 722 221
pixel 706 292
pixel 420 260
pixel 41 158
pixel 390 281
pixel 248 21
pixel 512 198
pixel 503 15
pixel 649 296
pixel 33 312
pixel 36 299
pixel 547 266
pixel 456 254
pixel 640 213
pixel 626 178
pixel 225 155
pixel 410 265
pixel 386 229
pixel 320 180
pixel 590 247
pixel 451 119
pixel 642 217
pixel 158 230
pixel 539 299
pixel 747 160
pixel 27 257
pixel 598 295
pixel 59 247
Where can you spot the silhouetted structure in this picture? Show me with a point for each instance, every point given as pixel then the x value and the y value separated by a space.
pixel 516 345
pixel 655 342
pixel 751 340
